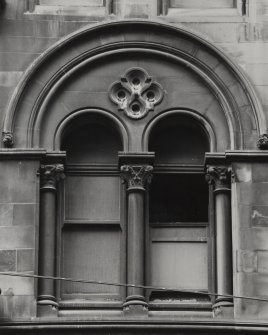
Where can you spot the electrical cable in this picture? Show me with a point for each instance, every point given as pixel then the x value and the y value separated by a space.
pixel 27 275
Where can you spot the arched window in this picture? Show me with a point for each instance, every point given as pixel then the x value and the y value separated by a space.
pixel 178 209
pixel 91 230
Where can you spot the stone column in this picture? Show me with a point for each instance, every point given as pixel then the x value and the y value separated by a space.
pixel 136 177
pixel 50 174
pixel 219 176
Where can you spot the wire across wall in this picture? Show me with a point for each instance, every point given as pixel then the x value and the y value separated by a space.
pixel 145 287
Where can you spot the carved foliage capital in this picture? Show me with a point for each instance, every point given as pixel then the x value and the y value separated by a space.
pixel 136 175
pixel 218 175
pixel 50 174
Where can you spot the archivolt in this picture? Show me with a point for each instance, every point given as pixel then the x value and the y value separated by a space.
pixel 26 125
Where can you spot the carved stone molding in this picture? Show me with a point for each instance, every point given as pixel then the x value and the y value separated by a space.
pixel 50 174
pixel 8 139
pixel 136 93
pixel 220 176
pixel 136 176
pixel 262 142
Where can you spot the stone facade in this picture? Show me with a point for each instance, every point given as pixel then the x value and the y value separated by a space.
pixel 223 66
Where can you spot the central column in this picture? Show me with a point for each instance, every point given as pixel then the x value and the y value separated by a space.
pixel 136 176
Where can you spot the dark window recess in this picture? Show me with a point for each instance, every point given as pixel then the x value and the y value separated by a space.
pixel 178 198
pixel 179 140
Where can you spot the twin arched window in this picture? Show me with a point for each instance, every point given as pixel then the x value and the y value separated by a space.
pixel 93 233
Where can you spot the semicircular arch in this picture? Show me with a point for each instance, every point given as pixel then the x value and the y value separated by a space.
pixel 233 91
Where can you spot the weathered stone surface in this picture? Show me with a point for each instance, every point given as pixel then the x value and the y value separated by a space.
pixel 242 172
pixel 259 216
pixel 13 307
pixel 14 61
pixel 24 214
pixel 10 78
pixel 6 214
pixel 18 182
pixel 253 193
pixel 17 237
pixel 258 73
pixel 253 239
pixel 7 260
pixel 11 286
pixel 25 259
pixel 246 261
pixel 25 43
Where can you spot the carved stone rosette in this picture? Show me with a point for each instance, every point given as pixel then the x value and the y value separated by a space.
pixel 7 139
pixel 50 174
pixel 220 176
pixel 136 93
pixel 262 143
pixel 136 176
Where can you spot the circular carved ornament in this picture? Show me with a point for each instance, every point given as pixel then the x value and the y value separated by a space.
pixel 136 93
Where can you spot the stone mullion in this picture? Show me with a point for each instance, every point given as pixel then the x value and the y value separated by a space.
pixel 50 174
pixel 136 177
pixel 219 176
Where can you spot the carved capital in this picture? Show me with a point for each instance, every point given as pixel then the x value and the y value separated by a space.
pixel 262 142
pixel 8 139
pixel 220 176
pixel 136 176
pixel 50 174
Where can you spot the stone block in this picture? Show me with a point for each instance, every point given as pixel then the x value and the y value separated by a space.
pixel 5 94
pixel 239 94
pixel 259 216
pixel 220 32
pixel 17 237
pixel 244 216
pixel 7 260
pixel 14 61
pixel 242 172
pixel 6 214
pixel 10 78
pixel 253 239
pixel 246 261
pixel 253 53
pixel 204 56
pixel 262 91
pixel 25 44
pixel 252 193
pixel 262 257
pixel 46 28
pixel 24 214
pixel 18 182
pixel 16 28
pixel 12 285
pixel 25 260
pixel 258 73
pixel 259 172
pixel 17 307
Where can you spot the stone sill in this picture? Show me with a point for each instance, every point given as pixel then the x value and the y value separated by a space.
pixel 61 17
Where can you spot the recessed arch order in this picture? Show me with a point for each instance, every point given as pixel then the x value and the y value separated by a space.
pixel 28 109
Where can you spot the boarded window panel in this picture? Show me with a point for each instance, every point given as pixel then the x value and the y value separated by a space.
pixel 92 253
pixel 202 3
pixel 179 265
pixel 92 198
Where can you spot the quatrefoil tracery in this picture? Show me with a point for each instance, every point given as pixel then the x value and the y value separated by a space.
pixel 136 93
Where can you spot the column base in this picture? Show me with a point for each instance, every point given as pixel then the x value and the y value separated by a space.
pixel 47 306
pixel 135 305
pixel 223 309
